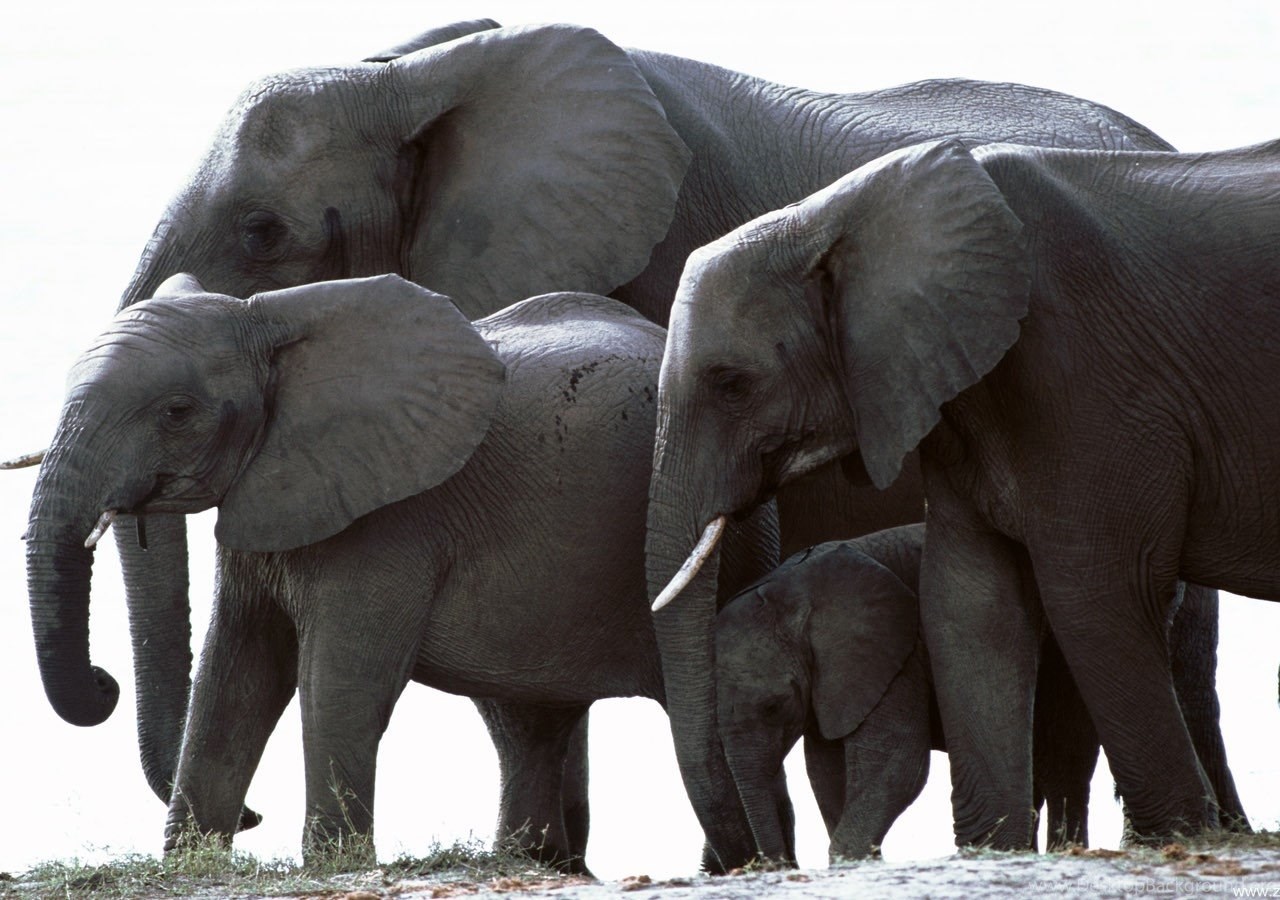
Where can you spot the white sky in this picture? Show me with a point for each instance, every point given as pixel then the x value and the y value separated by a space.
pixel 104 108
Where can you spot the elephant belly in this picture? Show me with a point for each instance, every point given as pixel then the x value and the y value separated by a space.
pixel 544 662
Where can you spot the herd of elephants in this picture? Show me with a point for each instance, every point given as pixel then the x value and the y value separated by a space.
pixel 515 362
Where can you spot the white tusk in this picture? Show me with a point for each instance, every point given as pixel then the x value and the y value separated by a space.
pixel 22 462
pixel 706 544
pixel 104 522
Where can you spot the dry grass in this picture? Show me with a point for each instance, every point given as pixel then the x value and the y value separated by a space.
pixel 208 869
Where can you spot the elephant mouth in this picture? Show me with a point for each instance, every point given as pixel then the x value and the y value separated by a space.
pixel 169 493
pixel 175 495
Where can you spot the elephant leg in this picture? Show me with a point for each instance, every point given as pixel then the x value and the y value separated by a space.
pixel 983 630
pixel 1064 752
pixel 786 815
pixel 1110 622
pixel 246 677
pixel 1193 652
pixel 824 763
pixel 543 769
pixel 356 652
pixel 575 796
pixel 886 764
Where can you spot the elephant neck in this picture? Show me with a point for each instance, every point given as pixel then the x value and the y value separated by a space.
pixel 756 146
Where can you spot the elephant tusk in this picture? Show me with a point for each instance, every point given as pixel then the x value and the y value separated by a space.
pixel 22 462
pixel 706 544
pixel 104 522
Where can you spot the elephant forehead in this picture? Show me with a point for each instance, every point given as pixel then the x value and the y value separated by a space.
pixel 288 120
pixel 161 342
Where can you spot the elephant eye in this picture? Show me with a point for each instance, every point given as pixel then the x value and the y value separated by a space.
pixel 178 412
pixel 731 385
pixel 263 235
pixel 773 711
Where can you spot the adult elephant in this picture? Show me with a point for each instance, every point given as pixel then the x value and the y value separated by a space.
pixel 500 165
pixel 1082 346
pixel 402 494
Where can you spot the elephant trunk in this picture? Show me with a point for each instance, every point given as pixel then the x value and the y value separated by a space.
pixel 686 643
pixel 59 569
pixel 159 260
pixel 756 766
pixel 156 587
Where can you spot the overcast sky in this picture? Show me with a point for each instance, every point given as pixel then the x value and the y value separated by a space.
pixel 104 108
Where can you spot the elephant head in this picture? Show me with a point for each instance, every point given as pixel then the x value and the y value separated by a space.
pixel 835 328
pixel 815 644
pixel 502 164
pixel 488 164
pixel 293 412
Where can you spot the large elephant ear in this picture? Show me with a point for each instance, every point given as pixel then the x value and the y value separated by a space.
pixel 381 390
pixel 441 34
pixel 924 276
pixel 863 628
pixel 537 159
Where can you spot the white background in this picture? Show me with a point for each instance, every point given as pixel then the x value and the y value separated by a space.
pixel 105 107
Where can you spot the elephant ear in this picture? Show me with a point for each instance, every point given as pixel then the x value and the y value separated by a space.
pixel 381 390
pixel 923 276
pixel 538 160
pixel 441 34
pixel 863 628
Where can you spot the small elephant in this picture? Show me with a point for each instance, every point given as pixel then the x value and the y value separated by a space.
pixel 1081 346
pixel 828 647
pixel 402 494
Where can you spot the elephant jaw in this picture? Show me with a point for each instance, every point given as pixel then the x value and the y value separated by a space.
pixel 701 552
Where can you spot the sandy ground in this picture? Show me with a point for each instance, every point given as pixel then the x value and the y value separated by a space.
pixel 1171 872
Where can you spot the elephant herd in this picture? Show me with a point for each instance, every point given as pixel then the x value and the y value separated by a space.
pixel 489 343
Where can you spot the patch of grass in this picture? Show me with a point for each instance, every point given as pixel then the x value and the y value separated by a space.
pixel 471 860
pixel 1230 840
pixel 206 869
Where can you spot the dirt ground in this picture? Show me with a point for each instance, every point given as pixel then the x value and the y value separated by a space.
pixel 1174 871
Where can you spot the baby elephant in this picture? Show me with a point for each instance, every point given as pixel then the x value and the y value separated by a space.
pixel 828 646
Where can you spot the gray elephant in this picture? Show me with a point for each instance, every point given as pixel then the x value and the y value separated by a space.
pixel 1081 345
pixel 827 647
pixel 401 495
pixel 502 164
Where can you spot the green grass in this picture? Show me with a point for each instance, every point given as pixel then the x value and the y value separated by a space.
pixel 209 869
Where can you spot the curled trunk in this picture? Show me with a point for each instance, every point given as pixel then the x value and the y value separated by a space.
pixel 58 576
pixel 59 568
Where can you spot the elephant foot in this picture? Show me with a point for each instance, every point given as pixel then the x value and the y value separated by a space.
pixel 1234 824
pixel 535 845
pixel 1011 833
pixel 341 851
pixel 1158 836
pixel 184 836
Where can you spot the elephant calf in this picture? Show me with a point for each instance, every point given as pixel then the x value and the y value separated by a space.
pixel 402 495
pixel 828 646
